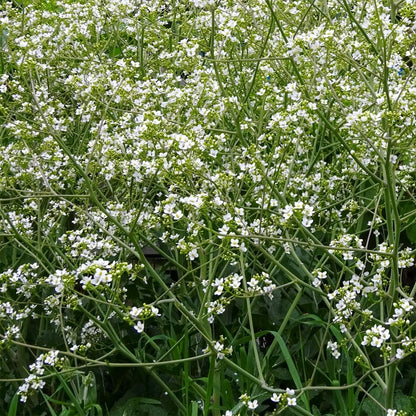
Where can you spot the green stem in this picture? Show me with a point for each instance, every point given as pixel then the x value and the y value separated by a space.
pixel 250 321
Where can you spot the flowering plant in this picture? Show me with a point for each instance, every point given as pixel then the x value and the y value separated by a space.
pixel 215 198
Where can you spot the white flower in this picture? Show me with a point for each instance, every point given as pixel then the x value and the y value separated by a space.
pixel 360 265
pixel 219 284
pixel 178 215
pixel 391 412
pixel 218 346
pixel 405 304
pixel 291 401
pixel 236 281
pixel 139 327
pixel 155 311
pixel 322 274
pixel 135 312
pixel 252 404
pixel 336 354
pixel 307 222
pixel 376 342
pixel 223 230
pixel 234 242
pixel 253 282
pixel 347 255
pixel 276 397
pixel 287 212
pixel 298 205
pixel 316 282
pixel 334 348
pixel 399 353
pixel 51 357
pixel 308 210
pixel 193 254
pixel 227 218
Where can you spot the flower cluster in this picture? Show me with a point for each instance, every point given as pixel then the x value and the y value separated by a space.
pixel 219 348
pixel 376 336
pixel 401 310
pixel 246 400
pixel 345 246
pixel 34 381
pixel 299 210
pixel 138 315
pixel 319 277
pixel 285 399
pixel 347 298
pixel 233 286
pixel 333 346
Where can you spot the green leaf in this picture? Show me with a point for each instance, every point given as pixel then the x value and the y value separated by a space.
pixel 311 319
pixel 89 388
pixel 194 409
pixel 407 209
pixel 292 367
pixel 13 406
pixel 95 407
pixel 412 404
pixel 369 406
pixel 138 406
pixel 411 233
pixel 135 407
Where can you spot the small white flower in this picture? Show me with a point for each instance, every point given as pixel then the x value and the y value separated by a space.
pixel 236 281
pixel 218 346
pixel 298 205
pixel 135 312
pixel 193 254
pixel 219 284
pixel 287 212
pixel 322 275
pixel 276 397
pixel 405 304
pixel 139 327
pixel 347 255
pixel 291 401
pixel 223 230
pixel 227 218
pixel 155 311
pixel 316 282
pixel 178 215
pixel 252 404
pixel 308 210
pixel 360 265
pixel 376 342
pixel 307 222
pixel 234 242
pixel 399 353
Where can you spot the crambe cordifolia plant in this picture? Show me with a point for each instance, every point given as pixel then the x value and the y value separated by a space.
pixel 207 207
